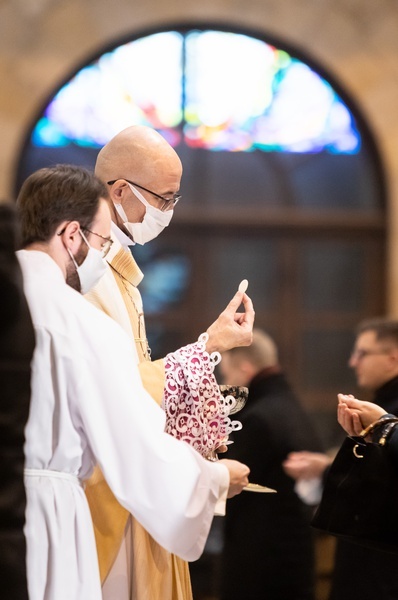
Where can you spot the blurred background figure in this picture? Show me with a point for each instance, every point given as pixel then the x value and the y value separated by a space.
pixel 268 543
pixel 16 350
pixel 361 572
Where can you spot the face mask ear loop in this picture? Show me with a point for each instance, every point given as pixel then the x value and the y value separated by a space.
pixel 70 253
pixel 73 258
pixel 120 212
pixel 138 195
pixel 84 238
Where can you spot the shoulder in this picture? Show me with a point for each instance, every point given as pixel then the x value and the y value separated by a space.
pixel 87 317
pixel 59 309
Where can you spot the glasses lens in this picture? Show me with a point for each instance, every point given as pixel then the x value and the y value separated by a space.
pixel 170 203
pixel 106 247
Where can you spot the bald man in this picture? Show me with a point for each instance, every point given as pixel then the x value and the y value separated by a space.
pixel 267 536
pixel 143 173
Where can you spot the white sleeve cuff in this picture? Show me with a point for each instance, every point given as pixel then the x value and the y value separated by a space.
pixel 220 506
pixel 309 490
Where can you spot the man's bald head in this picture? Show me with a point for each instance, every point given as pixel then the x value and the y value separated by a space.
pixel 139 153
pixel 239 365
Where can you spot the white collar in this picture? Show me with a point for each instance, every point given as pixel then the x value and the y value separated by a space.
pixel 121 236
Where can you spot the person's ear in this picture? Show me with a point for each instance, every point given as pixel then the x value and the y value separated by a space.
pixel 247 369
pixel 118 190
pixel 70 236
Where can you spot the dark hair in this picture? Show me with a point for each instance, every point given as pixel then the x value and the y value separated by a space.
pixel 56 194
pixel 383 327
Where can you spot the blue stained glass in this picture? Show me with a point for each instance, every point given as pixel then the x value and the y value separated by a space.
pixel 219 90
pixel 47 133
pixel 137 83
pixel 166 281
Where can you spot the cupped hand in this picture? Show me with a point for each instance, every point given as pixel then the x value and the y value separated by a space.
pixel 354 415
pixel 305 465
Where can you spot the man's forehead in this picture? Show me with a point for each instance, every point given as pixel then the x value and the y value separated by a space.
pixel 366 338
pixel 369 339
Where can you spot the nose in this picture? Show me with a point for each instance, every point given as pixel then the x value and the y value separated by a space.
pixel 352 361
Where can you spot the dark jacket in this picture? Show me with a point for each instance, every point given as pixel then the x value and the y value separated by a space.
pixel 16 350
pixel 268 546
pixel 363 573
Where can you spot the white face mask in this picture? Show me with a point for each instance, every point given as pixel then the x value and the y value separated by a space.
pixel 92 268
pixel 153 223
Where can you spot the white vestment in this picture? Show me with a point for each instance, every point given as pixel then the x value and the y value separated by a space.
pixel 88 405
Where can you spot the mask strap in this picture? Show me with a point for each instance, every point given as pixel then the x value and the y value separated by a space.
pixel 70 253
pixel 138 195
pixel 84 238
pixel 73 258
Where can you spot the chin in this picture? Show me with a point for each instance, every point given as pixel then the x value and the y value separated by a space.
pixel 368 386
pixel 362 383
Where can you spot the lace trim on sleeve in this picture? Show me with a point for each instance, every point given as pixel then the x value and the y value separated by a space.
pixel 196 412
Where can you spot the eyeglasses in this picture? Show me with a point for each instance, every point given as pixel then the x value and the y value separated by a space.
pixel 360 354
pixel 167 202
pixel 107 243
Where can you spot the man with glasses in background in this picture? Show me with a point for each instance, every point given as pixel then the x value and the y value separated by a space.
pixel 143 174
pixel 362 572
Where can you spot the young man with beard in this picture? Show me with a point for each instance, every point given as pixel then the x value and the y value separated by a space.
pixel 88 404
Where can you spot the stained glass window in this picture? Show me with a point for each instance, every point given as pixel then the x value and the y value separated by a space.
pixel 217 90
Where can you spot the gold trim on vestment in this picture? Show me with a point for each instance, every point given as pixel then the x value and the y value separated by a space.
pixel 155 573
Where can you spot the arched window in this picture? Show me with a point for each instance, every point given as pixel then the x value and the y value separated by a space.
pixel 282 185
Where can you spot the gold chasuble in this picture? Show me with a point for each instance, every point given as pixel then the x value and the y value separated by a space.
pixel 153 573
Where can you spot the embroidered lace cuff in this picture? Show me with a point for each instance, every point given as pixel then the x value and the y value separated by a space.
pixel 196 412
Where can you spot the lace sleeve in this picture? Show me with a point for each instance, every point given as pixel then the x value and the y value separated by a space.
pixel 196 412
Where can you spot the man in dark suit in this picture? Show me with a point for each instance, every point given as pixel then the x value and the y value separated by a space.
pixel 16 350
pixel 268 544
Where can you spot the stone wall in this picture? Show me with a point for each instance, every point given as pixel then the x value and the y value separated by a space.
pixel 41 41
